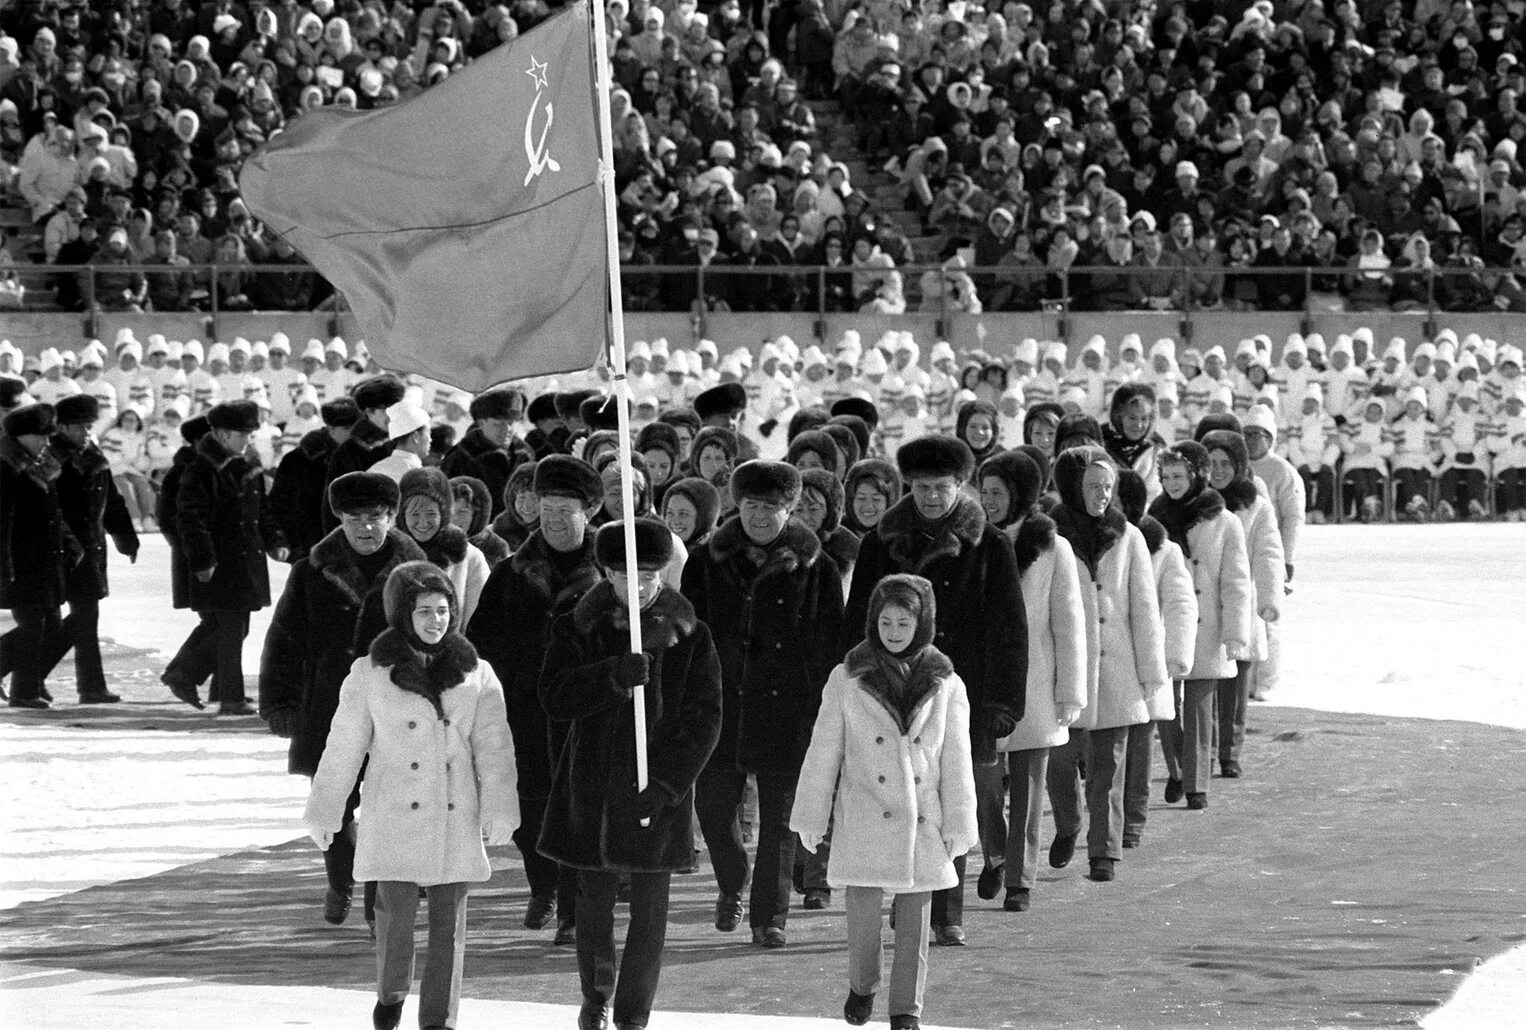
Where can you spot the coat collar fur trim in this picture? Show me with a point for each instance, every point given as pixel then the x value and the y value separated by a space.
pixel 454 658
pixel 1034 536
pixel 664 622
pixel 905 532
pixel 336 561
pixel 901 701
pixel 41 468
pixel 532 563
pixel 796 547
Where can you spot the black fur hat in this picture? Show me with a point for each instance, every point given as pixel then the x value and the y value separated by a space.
pixel 847 442
pixel 381 391
pixel 239 416
pixel 501 403
pixel 567 404
pixel 1232 444
pixel 71 411
pixel 193 429
pixel 34 419
pixel 878 472
pixel 362 491
pixel 11 391
pixel 858 407
pixel 830 489
pixel 767 480
pixel 682 417
pixel 654 545
pixel 341 412
pixel 428 482
pixel 807 419
pixel 567 476
pixel 718 436
pixel 658 436
pixel 862 431
pixel 599 412
pixel 937 455
pixel 542 408
pixel 1208 423
pixel 818 443
pixel 1077 425
pixel 725 399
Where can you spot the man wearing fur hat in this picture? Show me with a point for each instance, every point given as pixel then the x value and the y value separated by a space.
pixel 491 450
pixel 368 442
pixel 545 578
pixel 224 530
pixel 774 602
pixel 328 616
pixel 594 819
pixel 37 547
pixel 942 535
pixel 297 499
pixel 94 510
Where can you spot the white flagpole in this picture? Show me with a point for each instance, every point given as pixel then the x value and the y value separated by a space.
pixel 617 367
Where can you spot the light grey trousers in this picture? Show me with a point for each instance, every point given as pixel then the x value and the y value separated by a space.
pixel 397 905
pixel 908 970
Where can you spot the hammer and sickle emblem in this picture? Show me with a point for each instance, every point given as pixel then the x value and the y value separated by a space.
pixel 535 153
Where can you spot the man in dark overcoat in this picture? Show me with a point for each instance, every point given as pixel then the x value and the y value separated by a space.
pixel 298 497
pixel 594 817
pixel 197 657
pixel 224 528
pixel 368 441
pixel 774 606
pixel 490 450
pixel 941 534
pixel 544 579
pixel 329 614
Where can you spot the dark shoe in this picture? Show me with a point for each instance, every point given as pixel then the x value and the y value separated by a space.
pixel 1230 769
pixel 1018 899
pixel 184 691
pixel 28 702
pixel 858 1008
pixel 905 1023
pixel 1102 870
pixel 949 936
pixel 728 912
pixel 1197 802
pixel 542 908
pixel 1131 840
pixel 235 708
pixel 1062 851
pixel 98 697
pixel 1174 790
pixel 768 936
pixel 566 934
pixel 593 1017
pixel 386 1016
pixel 336 906
pixel 817 900
pixel 989 882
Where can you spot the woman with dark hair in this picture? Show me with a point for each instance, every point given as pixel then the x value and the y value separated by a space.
pixel 1130 437
pixel 872 487
pixel 521 508
pixel 975 424
pixel 1040 425
pixel 820 511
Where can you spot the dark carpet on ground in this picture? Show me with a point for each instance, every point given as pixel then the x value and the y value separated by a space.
pixel 1357 873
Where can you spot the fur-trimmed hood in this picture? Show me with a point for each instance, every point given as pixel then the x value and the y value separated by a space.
pixel 925 672
pixel 905 532
pixel 664 622
pixel 1033 536
pixel 86 460
pixel 317 443
pixel 446 547
pixel 1090 538
pixel 532 562
pixel 429 676
pixel 336 561
pixel 795 548
pixel 43 468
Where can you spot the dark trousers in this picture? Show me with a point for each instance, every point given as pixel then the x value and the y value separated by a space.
pixel 633 982
pixel 1014 846
pixel 78 630
pixel 813 864
pixel 1063 780
pixel 1136 779
pixel 1360 484
pixel 1319 489
pixel 1106 758
pixel 546 877
pixel 1461 486
pixel 1510 487
pixel 717 793
pixel 23 647
pixel 1407 484
pixel 339 859
pixel 197 657
pixel 228 644
pixel 396 912
pixel 1233 699
pixel 948 904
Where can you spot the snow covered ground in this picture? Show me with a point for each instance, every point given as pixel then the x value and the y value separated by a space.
pixel 1408 621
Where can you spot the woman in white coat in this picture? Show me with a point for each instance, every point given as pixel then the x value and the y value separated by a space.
pixel 430 717
pixel 889 767
pixel 1213 542
pixel 424 512
pixel 1010 485
pixel 1178 613
pixel 1230 474
pixel 1125 655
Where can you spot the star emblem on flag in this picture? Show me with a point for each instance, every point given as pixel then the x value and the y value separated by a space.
pixel 537 71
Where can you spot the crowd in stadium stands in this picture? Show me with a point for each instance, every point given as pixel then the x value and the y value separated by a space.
pixel 1181 153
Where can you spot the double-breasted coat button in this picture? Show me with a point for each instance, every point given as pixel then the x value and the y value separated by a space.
pixel 1101 619
pixel 412 724
pixel 413 765
pixel 879 740
pixel 414 805
pixel 921 818
pixel 451 807
pixel 882 779
pixel 917 740
pixel 887 815
pixel 447 722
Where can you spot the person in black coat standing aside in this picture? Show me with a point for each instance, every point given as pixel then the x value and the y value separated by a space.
pixel 594 818
pixel 490 451
pixel 773 602
pixel 94 510
pixel 224 529
pixel 942 534
pixel 298 500
pixel 196 658
pixel 328 616
pixel 544 579
pixel 368 441
pixel 36 547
